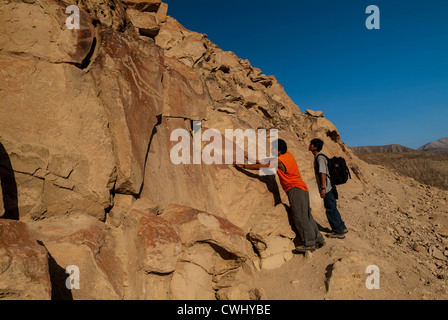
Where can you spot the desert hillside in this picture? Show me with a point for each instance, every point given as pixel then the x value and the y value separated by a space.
pixel 90 188
pixel 427 168
pixel 439 146
pixel 386 148
pixel 395 223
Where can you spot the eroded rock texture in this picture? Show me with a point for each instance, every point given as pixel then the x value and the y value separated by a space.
pixel 85 127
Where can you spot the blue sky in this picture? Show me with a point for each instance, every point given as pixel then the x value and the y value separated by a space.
pixel 378 87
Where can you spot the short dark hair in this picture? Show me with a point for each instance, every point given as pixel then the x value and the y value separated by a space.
pixel 281 146
pixel 317 143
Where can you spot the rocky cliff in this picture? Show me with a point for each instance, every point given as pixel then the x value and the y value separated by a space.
pixel 86 175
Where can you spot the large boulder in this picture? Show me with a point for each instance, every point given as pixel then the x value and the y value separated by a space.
pixel 170 34
pixel 153 247
pixel 148 23
pixel 214 250
pixel 38 29
pixel 24 270
pixel 196 226
pixel 84 242
pixel 272 237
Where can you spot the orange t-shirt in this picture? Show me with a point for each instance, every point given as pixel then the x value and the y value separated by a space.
pixel 291 178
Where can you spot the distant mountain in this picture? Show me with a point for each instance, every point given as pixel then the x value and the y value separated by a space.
pixel 380 149
pixel 439 146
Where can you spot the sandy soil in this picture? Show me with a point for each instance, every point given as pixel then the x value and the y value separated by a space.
pixel 395 223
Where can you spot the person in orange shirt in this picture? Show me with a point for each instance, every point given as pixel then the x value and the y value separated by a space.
pixel 298 195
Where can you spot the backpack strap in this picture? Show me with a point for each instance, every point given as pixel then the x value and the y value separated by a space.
pixel 316 168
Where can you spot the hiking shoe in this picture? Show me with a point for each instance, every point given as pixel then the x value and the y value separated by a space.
pixel 303 249
pixel 335 235
pixel 343 232
pixel 320 244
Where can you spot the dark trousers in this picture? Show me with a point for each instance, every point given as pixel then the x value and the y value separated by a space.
pixel 333 215
pixel 299 201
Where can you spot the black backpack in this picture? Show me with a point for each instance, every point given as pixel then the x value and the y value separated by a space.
pixel 337 167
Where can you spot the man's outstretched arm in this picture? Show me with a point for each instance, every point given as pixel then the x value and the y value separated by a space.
pixel 259 165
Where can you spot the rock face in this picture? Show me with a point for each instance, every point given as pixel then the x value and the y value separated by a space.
pixel 85 136
pixel 35 29
pixel 24 272
pixel 128 72
pixel 84 242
